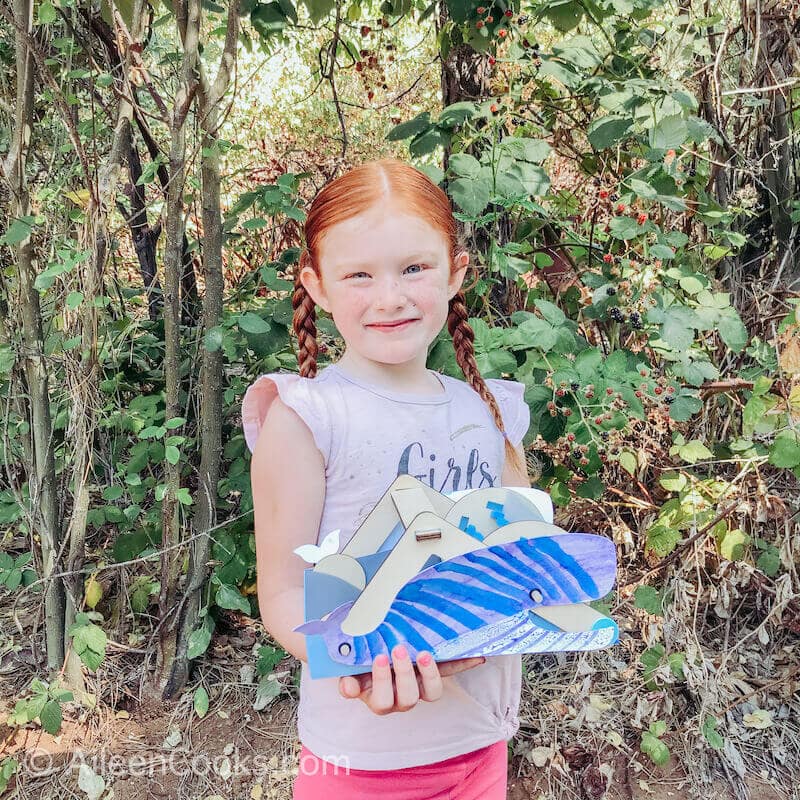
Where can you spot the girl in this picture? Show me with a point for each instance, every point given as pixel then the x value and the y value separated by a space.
pixel 384 259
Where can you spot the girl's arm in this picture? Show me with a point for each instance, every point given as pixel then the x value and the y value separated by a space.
pixel 287 474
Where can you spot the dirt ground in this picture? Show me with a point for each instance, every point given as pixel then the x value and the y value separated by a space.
pixel 160 750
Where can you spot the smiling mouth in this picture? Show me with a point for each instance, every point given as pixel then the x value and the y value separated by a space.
pixel 391 326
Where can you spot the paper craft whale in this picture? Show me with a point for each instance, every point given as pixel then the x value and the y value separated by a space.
pixel 483 574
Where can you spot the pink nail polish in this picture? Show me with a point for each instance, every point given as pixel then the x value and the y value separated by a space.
pixel 400 652
pixel 424 659
pixel 382 660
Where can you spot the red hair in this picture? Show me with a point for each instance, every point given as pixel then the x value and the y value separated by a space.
pixel 355 192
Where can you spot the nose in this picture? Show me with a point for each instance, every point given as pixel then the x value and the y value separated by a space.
pixel 389 294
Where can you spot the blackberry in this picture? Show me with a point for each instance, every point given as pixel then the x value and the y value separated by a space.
pixel 669 400
pixel 614 198
pixel 636 320
pixel 611 291
pixel 574 386
pixel 616 315
pixel 692 172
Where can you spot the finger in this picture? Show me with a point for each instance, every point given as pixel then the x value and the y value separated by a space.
pixel 459 665
pixel 381 696
pixel 405 680
pixel 430 681
pixel 350 686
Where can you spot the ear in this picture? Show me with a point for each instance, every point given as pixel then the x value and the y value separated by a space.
pixel 456 279
pixel 313 285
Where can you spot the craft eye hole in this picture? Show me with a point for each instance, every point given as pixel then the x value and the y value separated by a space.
pixel 344 649
pixel 536 596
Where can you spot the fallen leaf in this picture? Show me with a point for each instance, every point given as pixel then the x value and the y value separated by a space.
pixel 90 782
pixel 760 718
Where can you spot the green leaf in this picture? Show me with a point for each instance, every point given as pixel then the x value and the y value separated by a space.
pixel 560 493
pixel 471 194
pixel 684 407
pixel 624 228
pixel 710 733
pixel 50 716
pixel 200 638
pixel 733 544
pixel 404 130
pixel 47 13
pixel 184 497
pixel 551 312
pixel 465 165
pixel 669 132
pixel 695 451
pixel 627 460
pixel 229 597
pixel 607 131
pixel 673 481
pixel 653 746
pixel 252 323
pixel 591 489
pixel 172 454
pixel 732 330
pixel 785 450
pixel 200 701
pixel 662 539
pixel 648 599
pixel 19 230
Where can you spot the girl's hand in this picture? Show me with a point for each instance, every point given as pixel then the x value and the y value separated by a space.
pixel 384 694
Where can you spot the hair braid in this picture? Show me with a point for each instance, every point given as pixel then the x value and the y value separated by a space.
pixel 304 324
pixel 463 343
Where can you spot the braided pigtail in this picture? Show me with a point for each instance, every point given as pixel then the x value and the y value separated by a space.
pixel 463 343
pixel 304 324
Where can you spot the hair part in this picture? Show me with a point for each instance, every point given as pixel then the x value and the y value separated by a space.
pixel 352 194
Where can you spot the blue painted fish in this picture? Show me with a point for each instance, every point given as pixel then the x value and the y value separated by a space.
pixel 488 595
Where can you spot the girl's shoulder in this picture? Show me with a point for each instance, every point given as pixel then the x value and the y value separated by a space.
pixel 310 398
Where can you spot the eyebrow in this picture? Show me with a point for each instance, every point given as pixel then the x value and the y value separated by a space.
pixel 413 258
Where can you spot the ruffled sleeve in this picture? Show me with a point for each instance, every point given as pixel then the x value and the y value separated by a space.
pixel 514 410
pixel 300 394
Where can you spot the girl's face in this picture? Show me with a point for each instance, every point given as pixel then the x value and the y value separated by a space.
pixel 386 281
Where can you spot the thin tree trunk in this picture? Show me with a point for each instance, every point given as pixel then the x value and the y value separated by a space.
pixel 42 477
pixel 83 372
pixel 172 557
pixel 211 379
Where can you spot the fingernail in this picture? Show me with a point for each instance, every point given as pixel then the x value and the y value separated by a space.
pixel 399 652
pixel 382 660
pixel 424 659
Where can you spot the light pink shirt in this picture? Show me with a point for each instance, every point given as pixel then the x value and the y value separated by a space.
pixel 369 435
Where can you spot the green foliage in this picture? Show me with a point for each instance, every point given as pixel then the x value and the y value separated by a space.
pixel 652 745
pixel 8 768
pixel 88 639
pixel 661 668
pixel 42 704
pixel 12 571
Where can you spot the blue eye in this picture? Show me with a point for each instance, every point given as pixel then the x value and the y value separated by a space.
pixel 419 266
pixel 358 275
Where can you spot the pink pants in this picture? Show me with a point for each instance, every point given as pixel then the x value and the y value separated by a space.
pixel 479 775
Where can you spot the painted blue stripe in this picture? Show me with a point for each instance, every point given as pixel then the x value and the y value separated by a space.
pixel 410 611
pixel 560 571
pixel 542 567
pixel 491 601
pixel 361 650
pixel 528 572
pixel 569 563
pixel 388 635
pixel 507 589
pixel 413 637
pixel 414 593
pixel 375 644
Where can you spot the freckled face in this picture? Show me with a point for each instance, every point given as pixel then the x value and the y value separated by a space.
pixel 386 280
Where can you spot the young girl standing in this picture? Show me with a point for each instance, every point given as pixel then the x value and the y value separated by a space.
pixel 383 257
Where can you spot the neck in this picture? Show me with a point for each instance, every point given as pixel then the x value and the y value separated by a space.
pixel 410 376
